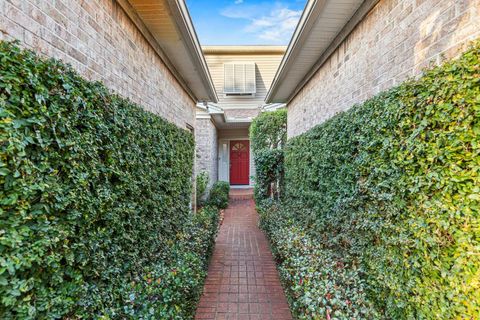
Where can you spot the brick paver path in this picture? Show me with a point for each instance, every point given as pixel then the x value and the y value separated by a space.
pixel 242 280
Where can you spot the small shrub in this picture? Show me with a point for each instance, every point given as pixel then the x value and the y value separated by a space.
pixel 269 172
pixel 269 130
pixel 202 183
pixel 219 194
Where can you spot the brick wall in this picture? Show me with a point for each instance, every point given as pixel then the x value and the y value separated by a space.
pixel 241 113
pixel 396 40
pixel 99 40
pixel 207 149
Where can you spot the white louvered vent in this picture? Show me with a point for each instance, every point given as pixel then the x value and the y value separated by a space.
pixel 239 79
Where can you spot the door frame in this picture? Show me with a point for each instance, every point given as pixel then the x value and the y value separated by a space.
pixel 226 177
pixel 245 141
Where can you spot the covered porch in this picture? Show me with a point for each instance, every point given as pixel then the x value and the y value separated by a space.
pixel 223 145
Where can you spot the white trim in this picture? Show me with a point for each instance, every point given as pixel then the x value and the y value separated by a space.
pixel 304 25
pixel 180 18
pixel 307 22
pixel 241 107
pixel 251 165
pixel 273 106
pixel 240 186
pixel 247 49
pixel 223 160
pixel 180 11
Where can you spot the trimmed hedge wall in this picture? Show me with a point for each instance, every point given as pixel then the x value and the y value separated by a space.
pixel 382 216
pixel 268 134
pixel 172 288
pixel 94 201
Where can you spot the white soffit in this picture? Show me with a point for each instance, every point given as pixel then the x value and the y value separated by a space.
pixel 169 23
pixel 323 26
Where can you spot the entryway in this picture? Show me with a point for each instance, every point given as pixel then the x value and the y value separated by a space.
pixel 239 162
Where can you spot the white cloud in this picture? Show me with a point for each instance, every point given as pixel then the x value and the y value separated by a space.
pixel 238 1
pixel 277 27
pixel 273 24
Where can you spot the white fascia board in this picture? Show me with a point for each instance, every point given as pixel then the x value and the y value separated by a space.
pixel 189 36
pixel 308 23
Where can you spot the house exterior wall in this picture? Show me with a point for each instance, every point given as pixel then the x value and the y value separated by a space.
pixel 237 110
pixel 266 66
pixel 99 40
pixel 395 41
pixel 207 149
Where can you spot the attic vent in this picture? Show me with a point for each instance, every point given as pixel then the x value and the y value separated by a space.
pixel 239 79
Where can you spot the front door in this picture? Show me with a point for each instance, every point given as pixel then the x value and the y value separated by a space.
pixel 239 161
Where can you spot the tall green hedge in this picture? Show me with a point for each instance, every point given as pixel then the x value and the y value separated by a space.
pixel 268 134
pixel 94 196
pixel 382 216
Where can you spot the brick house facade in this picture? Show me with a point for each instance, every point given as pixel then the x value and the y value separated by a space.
pixel 389 42
pixel 102 42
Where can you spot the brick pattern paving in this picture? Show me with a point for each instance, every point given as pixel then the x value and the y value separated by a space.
pixel 242 280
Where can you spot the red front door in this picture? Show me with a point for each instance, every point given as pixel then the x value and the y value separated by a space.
pixel 239 161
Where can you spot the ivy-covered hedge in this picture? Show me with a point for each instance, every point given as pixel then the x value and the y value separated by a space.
pixel 268 134
pixel 94 201
pixel 269 173
pixel 382 216
pixel 218 196
pixel 172 288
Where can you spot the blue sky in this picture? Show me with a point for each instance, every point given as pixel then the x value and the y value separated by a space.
pixel 242 22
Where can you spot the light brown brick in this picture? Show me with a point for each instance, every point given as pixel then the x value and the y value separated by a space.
pixel 396 40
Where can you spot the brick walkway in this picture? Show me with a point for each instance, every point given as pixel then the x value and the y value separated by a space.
pixel 242 280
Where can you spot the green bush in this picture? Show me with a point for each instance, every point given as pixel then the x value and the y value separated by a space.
pixel 269 130
pixel 268 134
pixel 202 183
pixel 218 196
pixel 269 169
pixel 382 213
pixel 95 196
pixel 317 280
pixel 171 289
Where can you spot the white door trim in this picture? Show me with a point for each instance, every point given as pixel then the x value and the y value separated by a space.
pixel 224 160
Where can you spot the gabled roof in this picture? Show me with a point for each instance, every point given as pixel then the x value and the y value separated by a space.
pixel 167 26
pixel 322 28
pixel 254 49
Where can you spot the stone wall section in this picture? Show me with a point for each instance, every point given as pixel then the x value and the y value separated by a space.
pixel 100 41
pixel 207 149
pixel 395 41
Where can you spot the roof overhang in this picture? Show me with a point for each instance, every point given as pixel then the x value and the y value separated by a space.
pixel 218 117
pixel 244 49
pixel 323 26
pixel 167 26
